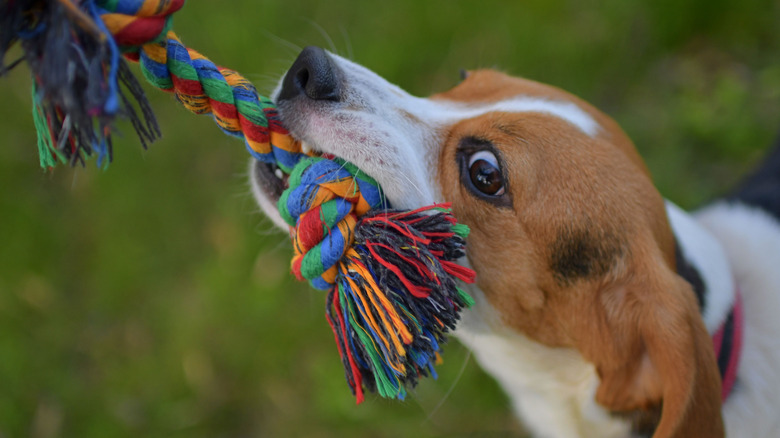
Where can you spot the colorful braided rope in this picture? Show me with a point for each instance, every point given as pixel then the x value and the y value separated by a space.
pixel 141 28
pixel 391 275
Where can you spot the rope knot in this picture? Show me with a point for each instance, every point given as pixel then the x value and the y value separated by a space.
pixel 322 204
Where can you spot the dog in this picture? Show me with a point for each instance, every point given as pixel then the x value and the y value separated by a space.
pixel 602 309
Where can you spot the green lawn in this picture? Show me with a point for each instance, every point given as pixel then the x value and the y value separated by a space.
pixel 153 299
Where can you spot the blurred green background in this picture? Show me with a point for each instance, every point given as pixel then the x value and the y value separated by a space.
pixel 153 299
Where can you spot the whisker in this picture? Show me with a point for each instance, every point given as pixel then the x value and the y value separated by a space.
pixel 269 228
pixel 452 387
pixel 347 41
pixel 282 42
pixel 277 247
pixel 420 192
pixel 324 34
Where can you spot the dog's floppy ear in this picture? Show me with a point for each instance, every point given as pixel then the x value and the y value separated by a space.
pixel 660 355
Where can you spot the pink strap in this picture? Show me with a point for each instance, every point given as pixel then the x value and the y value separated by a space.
pixel 730 372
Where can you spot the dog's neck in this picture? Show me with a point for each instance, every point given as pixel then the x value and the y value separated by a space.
pixel 553 389
pixel 702 261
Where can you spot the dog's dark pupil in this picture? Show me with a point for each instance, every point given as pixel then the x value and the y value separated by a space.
pixel 486 177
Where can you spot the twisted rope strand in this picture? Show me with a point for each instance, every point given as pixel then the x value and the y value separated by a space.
pixel 142 31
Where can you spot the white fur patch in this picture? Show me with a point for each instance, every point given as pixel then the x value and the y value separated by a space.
pixel 706 254
pixel 567 111
pixel 751 239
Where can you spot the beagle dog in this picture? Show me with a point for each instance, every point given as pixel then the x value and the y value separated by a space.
pixel 601 309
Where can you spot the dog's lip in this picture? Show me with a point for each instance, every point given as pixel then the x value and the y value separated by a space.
pixel 268 178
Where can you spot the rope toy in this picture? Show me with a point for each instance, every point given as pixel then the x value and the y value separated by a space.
pixel 391 274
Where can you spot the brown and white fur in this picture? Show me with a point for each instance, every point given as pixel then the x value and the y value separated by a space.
pixel 581 315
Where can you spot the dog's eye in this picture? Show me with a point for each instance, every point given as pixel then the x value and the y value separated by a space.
pixel 485 174
pixel 483 171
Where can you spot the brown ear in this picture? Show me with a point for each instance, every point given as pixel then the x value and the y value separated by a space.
pixel 659 355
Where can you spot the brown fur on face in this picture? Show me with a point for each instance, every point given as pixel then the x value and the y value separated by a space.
pixel 580 254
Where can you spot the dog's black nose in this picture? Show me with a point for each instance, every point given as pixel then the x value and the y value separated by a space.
pixel 313 74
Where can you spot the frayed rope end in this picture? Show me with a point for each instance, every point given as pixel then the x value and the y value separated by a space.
pixel 396 298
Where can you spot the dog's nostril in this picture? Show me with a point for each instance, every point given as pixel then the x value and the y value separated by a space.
pixel 301 79
pixel 313 74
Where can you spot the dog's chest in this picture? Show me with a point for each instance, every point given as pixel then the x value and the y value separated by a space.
pixel 551 389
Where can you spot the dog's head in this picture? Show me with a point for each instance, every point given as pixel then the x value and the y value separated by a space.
pixel 570 240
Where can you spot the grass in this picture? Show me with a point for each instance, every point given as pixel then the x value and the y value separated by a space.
pixel 153 299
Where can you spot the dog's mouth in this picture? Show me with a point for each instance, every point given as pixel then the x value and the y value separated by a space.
pixel 269 182
pixel 272 180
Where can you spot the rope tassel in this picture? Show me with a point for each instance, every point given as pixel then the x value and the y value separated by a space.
pixel 399 296
pixel 391 275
